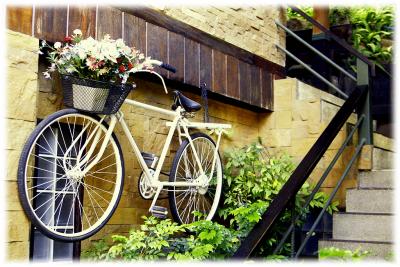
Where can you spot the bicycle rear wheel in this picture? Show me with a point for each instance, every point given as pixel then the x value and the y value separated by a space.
pixel 60 200
pixel 186 201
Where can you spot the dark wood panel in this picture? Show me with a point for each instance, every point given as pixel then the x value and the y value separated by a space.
pixel 157 45
pixel 192 57
pixel 232 70
pixel 219 72
pixel 204 38
pixel 267 93
pixel 244 82
pixel 19 19
pixel 50 23
pixel 176 56
pixel 109 21
pixel 206 66
pixel 255 94
pixel 83 18
pixel 278 76
pixel 135 32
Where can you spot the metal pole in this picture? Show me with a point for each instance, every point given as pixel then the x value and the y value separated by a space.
pixel 318 185
pixel 363 80
pixel 292 239
pixel 332 195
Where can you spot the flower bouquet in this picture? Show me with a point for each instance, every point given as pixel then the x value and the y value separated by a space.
pixel 94 73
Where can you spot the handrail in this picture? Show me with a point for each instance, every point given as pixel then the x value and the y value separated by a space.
pixel 320 182
pixel 331 196
pixel 345 45
pixel 301 173
pixel 286 29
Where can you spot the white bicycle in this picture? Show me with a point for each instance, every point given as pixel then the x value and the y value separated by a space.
pixel 71 170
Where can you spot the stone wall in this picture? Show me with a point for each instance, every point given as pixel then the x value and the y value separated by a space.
pixel 21 93
pixel 250 28
pixel 301 115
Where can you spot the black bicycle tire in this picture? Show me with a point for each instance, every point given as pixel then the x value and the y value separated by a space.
pixel 21 176
pixel 174 166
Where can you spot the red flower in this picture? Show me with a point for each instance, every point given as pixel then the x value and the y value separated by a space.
pixel 130 66
pixel 68 39
pixel 119 60
pixel 121 68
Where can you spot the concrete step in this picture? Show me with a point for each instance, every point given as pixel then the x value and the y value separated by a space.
pixel 363 226
pixel 370 200
pixel 378 250
pixel 382 159
pixel 376 179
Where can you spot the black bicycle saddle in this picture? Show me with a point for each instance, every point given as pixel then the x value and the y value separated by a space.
pixel 184 102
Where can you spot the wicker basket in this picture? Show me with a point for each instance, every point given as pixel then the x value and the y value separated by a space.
pixel 93 96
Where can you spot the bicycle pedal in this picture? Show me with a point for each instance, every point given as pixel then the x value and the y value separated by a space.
pixel 159 212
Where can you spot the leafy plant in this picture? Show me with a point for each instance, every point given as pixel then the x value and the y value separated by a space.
pixel 339 15
pixel 253 179
pixel 332 253
pixel 290 14
pixel 164 239
pixel 372 26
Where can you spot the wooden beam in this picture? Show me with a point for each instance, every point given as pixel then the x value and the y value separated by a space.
pixel 320 14
pixel 173 25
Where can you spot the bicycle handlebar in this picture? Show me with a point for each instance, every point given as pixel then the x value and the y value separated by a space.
pixel 160 64
pixel 168 67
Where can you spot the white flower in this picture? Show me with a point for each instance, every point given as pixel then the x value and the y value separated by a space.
pixel 69 69
pixel 124 78
pixel 52 67
pixel 57 45
pixel 46 74
pixel 77 32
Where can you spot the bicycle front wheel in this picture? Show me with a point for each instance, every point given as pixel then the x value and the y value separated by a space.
pixel 61 200
pixel 192 203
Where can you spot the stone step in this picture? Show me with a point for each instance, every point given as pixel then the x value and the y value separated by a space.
pixel 382 159
pixel 363 226
pixel 370 200
pixel 376 179
pixel 378 250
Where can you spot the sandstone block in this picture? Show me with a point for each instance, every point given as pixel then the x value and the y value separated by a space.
pixel 278 138
pixel 18 226
pixel 17 251
pixel 17 133
pixel 283 119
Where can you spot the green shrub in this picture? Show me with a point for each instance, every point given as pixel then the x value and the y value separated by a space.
pixel 164 239
pixel 333 253
pixel 253 178
pixel 371 27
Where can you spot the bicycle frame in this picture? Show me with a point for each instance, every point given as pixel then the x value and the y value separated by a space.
pixel 179 122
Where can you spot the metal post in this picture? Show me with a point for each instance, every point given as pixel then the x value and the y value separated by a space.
pixel 363 80
pixel 292 239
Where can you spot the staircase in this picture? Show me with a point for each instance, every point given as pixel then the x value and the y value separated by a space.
pixel 368 221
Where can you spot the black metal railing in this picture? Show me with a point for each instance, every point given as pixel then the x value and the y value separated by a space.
pixel 359 101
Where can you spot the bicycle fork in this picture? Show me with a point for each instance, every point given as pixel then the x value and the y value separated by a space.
pixel 95 137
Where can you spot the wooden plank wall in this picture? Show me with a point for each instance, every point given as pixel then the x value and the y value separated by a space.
pixel 196 62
